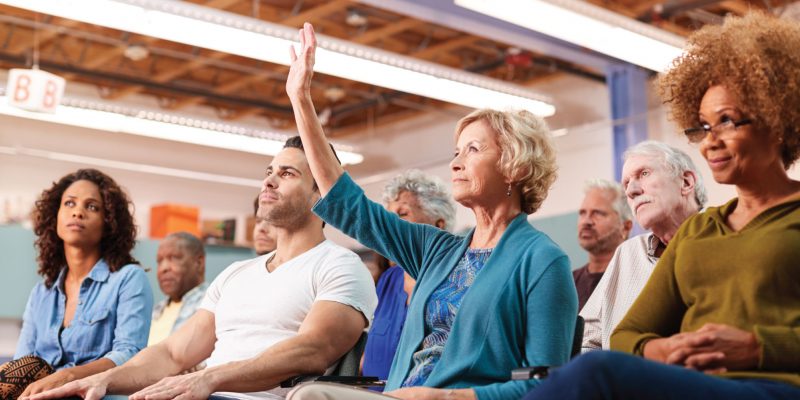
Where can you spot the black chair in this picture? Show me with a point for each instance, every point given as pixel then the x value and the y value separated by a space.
pixel 541 372
pixel 345 371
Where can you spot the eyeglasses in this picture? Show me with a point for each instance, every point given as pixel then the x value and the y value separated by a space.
pixel 723 130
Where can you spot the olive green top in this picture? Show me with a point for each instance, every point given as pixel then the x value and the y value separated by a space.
pixel 710 273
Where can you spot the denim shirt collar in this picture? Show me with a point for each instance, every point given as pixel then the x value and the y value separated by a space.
pixel 98 273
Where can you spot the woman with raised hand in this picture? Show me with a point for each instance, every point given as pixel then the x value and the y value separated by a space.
pixel 92 310
pixel 499 298
pixel 719 317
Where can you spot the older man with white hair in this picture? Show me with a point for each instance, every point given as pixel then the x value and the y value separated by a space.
pixel 663 188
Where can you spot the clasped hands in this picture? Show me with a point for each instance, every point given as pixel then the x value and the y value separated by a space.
pixel 713 349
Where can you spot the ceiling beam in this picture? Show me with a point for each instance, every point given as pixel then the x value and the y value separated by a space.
pixel 737 7
pixel 174 73
pixel 387 30
pixel 45 36
pixel 314 13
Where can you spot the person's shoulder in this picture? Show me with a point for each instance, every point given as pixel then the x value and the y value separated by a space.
pixel 634 243
pixel 332 251
pixel 128 273
pixel 241 265
pixel 530 241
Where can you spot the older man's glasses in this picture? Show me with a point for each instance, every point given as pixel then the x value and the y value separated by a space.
pixel 723 130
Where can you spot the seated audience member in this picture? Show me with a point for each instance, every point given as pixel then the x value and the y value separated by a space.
pixel 92 310
pixel 664 188
pixel 500 297
pixel 263 234
pixel 604 221
pixel 291 312
pixel 719 317
pixel 181 271
pixel 418 198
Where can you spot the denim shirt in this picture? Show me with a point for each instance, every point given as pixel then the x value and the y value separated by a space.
pixel 112 319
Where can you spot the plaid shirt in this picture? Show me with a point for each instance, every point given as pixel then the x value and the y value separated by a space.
pixel 189 303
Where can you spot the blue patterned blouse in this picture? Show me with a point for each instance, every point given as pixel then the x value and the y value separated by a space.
pixel 440 312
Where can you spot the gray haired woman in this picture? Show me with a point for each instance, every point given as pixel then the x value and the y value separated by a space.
pixel 414 197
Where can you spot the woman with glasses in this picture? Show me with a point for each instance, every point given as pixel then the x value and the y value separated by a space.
pixel 720 316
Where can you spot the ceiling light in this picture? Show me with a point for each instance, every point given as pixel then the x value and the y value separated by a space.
pixel 128 166
pixel 217 30
pixel 136 52
pixel 589 26
pixel 355 18
pixel 155 124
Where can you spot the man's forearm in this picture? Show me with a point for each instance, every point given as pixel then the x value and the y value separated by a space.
pixel 148 367
pixel 296 356
pixel 88 369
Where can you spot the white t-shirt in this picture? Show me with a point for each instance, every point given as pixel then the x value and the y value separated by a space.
pixel 255 309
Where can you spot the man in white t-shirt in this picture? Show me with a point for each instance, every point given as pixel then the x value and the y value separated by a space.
pixel 293 311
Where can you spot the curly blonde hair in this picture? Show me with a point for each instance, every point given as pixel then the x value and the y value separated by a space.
pixel 757 59
pixel 528 157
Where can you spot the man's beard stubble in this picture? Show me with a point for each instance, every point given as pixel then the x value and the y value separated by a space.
pixel 286 214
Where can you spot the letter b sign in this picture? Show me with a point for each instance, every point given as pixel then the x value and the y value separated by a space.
pixel 34 90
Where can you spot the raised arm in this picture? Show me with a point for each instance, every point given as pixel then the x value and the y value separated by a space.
pixel 323 163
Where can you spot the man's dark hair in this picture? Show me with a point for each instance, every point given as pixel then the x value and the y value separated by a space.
pixel 294 142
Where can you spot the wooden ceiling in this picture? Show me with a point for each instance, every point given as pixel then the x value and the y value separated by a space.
pixel 180 76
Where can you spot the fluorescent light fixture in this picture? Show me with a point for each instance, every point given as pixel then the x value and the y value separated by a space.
pixel 217 30
pixel 113 118
pixel 589 26
pixel 127 166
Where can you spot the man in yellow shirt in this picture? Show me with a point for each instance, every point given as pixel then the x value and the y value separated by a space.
pixel 181 261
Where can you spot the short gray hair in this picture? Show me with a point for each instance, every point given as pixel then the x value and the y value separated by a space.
pixel 432 194
pixel 527 151
pixel 620 201
pixel 189 242
pixel 674 160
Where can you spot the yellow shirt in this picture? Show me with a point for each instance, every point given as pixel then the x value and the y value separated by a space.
pixel 160 328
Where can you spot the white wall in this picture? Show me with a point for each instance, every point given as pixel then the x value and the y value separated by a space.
pixel 425 142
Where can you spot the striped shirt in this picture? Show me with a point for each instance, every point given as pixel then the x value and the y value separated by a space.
pixel 625 276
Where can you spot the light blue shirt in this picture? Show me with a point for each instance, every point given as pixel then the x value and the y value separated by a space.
pixel 112 319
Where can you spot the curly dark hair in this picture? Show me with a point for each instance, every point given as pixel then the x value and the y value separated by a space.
pixel 757 59
pixel 119 229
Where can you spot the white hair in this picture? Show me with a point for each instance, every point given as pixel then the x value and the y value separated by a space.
pixel 620 201
pixel 674 160
pixel 432 194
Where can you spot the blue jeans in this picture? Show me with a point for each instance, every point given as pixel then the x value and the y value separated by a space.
pixel 618 376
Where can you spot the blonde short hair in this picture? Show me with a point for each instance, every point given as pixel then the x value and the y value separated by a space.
pixel 528 157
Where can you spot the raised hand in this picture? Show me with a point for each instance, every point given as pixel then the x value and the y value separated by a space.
pixel 298 83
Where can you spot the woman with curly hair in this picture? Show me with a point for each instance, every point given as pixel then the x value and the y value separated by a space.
pixel 92 310
pixel 720 316
pixel 498 298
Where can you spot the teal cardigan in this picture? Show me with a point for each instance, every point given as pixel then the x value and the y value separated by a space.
pixel 519 312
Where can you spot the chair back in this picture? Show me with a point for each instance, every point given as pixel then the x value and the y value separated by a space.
pixel 577 339
pixel 350 362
